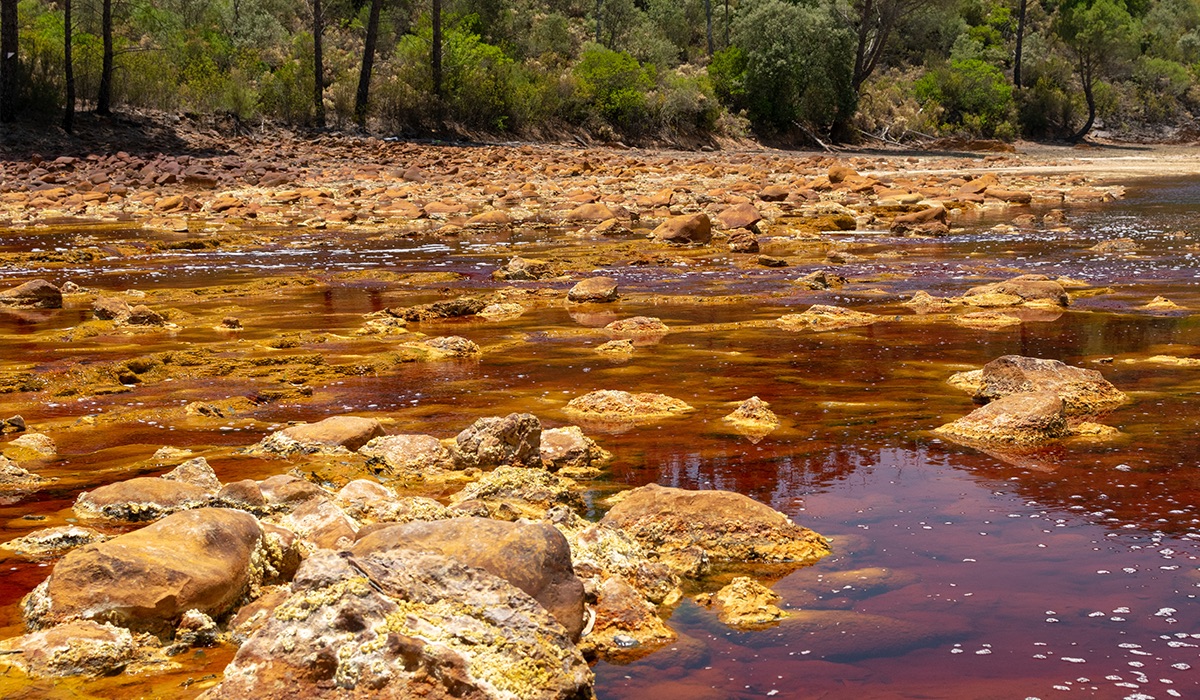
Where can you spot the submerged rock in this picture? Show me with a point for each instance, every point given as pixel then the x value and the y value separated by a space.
pixel 745 604
pixel 820 317
pixel 720 526
pixel 80 648
pixel 987 320
pixel 534 558
pixel 490 442
pixel 637 327
pixel 404 624
pixel 207 559
pixel 1016 419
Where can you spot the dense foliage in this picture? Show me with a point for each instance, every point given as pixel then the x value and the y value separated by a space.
pixel 815 69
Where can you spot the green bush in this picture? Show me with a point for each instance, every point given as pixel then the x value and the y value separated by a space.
pixel 973 96
pixel 614 85
pixel 797 66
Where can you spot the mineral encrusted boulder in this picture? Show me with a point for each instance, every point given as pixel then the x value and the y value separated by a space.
pixel 534 558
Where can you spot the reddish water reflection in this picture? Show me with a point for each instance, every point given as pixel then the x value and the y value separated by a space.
pixel 1073 569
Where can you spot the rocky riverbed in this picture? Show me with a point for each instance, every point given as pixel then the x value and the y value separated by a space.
pixel 342 417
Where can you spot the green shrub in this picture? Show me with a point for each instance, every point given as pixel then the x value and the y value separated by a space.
pixel 614 85
pixel 797 66
pixel 973 96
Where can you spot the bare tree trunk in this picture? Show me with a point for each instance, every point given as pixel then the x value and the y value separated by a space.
pixel 9 65
pixel 364 76
pixel 1020 42
pixel 708 25
pixel 727 23
pixel 437 48
pixel 104 99
pixel 68 70
pixel 318 65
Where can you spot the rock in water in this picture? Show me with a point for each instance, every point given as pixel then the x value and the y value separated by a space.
pixel 595 290
pixel 515 492
pixel 685 230
pixel 821 317
pixel 745 603
pixel 402 624
pixel 81 648
pixel 534 558
pixel 34 294
pixel 206 559
pixel 331 434
pixel 721 526
pixel 1083 391
pixel 1016 419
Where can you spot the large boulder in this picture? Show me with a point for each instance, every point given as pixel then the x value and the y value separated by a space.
pixel 494 441
pixel 402 624
pixel 207 559
pixel 1016 419
pixel 534 558
pixel 34 294
pixel 1083 391
pixel 721 526
pixel 685 230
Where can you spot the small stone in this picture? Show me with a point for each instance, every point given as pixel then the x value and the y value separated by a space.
pixel 597 290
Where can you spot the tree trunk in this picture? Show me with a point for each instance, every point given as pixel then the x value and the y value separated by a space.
pixel 708 25
pixel 1020 42
pixel 437 48
pixel 726 23
pixel 68 70
pixel 364 76
pixel 318 65
pixel 860 52
pixel 9 66
pixel 104 100
pixel 1085 75
pixel 599 9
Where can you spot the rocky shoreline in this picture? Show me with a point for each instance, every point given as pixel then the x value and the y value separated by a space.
pixel 397 564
